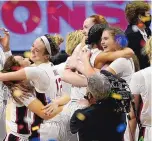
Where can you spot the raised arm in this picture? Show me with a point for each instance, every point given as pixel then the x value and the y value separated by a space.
pixel 73 78
pixel 13 76
pixel 5 41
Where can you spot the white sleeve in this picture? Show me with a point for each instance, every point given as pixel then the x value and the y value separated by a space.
pixel 39 78
pixel 8 54
pixel 32 73
pixel 137 83
pixel 119 65
pixel 60 68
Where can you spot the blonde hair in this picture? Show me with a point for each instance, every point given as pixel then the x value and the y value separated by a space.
pixel 58 39
pixel 72 40
pixel 148 48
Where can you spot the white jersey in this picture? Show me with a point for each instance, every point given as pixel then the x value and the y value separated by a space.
pixel 4 94
pixel 45 79
pixel 47 83
pixel 141 84
pixel 66 87
pixel 20 123
pixel 124 68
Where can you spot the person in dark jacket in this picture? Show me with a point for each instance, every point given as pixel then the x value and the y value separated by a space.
pixel 99 121
pixel 138 30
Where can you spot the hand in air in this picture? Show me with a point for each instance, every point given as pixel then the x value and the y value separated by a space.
pixel 5 40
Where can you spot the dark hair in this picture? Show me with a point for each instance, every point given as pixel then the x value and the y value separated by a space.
pixel 95 33
pixel 12 65
pixel 134 9
pixel 54 46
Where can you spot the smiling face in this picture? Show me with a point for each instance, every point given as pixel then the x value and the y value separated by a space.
pixel 107 42
pixel 38 51
pixel 23 62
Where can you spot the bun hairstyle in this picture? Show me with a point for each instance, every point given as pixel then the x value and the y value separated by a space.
pixel 58 39
pixel 52 48
pixel 95 33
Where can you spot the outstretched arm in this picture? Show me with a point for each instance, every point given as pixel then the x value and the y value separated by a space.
pixel 13 76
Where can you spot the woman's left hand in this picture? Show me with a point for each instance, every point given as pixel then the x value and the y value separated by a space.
pixel 5 41
pixel 50 108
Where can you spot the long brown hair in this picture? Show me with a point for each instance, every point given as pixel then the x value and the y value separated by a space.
pixel 12 65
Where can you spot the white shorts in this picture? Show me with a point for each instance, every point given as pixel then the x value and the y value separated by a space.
pixel 67 113
pixel 54 130
pixel 58 128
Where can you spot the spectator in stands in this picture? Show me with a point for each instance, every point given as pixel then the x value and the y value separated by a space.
pixel 138 30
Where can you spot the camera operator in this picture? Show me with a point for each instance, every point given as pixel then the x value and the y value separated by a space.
pixel 100 121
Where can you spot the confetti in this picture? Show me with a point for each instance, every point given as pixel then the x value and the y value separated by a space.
pixel 35 128
pixel 35 19
pixel 116 96
pixel 28 120
pixel 27 54
pixel 142 43
pixel 17 93
pixel 143 51
pixel 140 25
pixel 7 6
pixel 21 126
pixel 36 139
pixel 52 10
pixel 141 138
pixel 145 19
pixel 80 116
pixel 14 2
pixel 121 127
pixel 121 40
pixel 48 100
